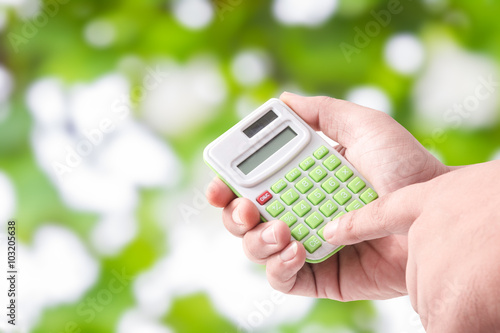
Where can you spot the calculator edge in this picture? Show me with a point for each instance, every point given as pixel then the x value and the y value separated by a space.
pixel 206 158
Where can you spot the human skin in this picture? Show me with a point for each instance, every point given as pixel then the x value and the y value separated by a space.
pixel 389 157
pixel 453 224
pixel 431 234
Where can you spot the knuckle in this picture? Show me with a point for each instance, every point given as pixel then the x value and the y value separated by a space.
pixel 325 101
pixel 378 213
pixel 348 221
pixel 250 252
pixel 350 226
pixel 249 245
pixel 326 104
pixel 278 281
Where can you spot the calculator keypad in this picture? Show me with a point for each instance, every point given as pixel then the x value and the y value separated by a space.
pixel 290 196
pixel 304 185
pixel 317 174
pixel 307 164
pixel 275 208
pixel 302 208
pixel 315 192
pixel 279 186
pixel 292 175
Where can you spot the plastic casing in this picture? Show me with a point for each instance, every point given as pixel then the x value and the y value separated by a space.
pixel 225 153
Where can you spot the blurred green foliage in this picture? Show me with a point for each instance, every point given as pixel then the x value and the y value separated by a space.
pixel 305 57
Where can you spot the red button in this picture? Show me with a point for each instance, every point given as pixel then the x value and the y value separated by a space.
pixel 264 197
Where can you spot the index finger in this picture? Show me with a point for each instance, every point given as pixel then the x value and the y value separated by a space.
pixel 219 194
pixel 393 213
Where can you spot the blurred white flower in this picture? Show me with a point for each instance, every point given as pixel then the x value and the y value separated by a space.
pixel 9 200
pixel 457 88
pixel 308 13
pixel 436 5
pixel 99 33
pixel 100 168
pixel 26 8
pixel 97 155
pixel 496 155
pixel 404 53
pixel 56 269
pixel 317 328
pixel 47 102
pixel 113 232
pixel 406 320
pixel 250 67
pixel 371 97
pixel 138 157
pixel 194 14
pixel 11 2
pixel 106 98
pixel 189 96
pixel 134 321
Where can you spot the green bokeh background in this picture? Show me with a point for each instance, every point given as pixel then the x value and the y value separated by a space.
pixel 306 57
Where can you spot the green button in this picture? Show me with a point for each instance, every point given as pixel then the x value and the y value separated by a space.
pixel 290 196
pixel 368 196
pixel 321 152
pixel 314 220
pixel 331 162
pixel 302 208
pixel 328 208
pixel 300 231
pixel 356 185
pixel 342 196
pixel 330 185
pixel 278 186
pixel 289 219
pixel 292 175
pixel 355 204
pixel 344 173
pixel 320 232
pixel 312 244
pixel 316 196
pixel 317 174
pixel 275 208
pixel 307 164
pixel 304 185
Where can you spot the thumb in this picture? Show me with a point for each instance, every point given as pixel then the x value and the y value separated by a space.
pixel 393 213
pixel 343 121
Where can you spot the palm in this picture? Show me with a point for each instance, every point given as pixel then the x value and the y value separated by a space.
pixel 375 269
pixel 369 270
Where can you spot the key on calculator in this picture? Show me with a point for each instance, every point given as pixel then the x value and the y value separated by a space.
pixel 275 159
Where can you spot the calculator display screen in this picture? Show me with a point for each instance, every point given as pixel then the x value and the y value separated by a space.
pixel 260 124
pixel 267 150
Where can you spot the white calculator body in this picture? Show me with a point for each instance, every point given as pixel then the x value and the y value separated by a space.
pixel 276 160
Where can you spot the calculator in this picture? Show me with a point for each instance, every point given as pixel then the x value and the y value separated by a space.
pixel 275 159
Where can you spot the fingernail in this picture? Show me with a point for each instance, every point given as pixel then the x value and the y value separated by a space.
pixel 268 235
pixel 330 229
pixel 236 216
pixel 289 253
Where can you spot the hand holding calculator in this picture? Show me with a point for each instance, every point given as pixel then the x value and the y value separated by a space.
pixel 384 151
pixel 275 159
